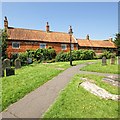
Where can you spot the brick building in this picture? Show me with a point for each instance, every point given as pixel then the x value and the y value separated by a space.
pixel 20 40
pixel 99 46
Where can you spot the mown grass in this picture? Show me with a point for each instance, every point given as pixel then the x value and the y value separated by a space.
pixel 28 78
pixel 76 102
pixel 98 67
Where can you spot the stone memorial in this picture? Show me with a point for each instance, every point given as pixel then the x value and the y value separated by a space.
pixel 10 71
pixel 3 73
pixel 17 63
pixel 6 63
pixel 29 60
pixel 112 60
pixel 104 62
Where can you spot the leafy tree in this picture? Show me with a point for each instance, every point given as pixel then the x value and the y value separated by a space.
pixel 3 43
pixel 117 40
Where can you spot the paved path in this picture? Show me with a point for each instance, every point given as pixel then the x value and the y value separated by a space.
pixel 37 102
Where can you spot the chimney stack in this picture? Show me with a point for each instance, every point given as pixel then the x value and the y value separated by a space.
pixel 5 23
pixel 47 27
pixel 110 39
pixel 87 37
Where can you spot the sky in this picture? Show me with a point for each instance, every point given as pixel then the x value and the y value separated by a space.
pixel 98 19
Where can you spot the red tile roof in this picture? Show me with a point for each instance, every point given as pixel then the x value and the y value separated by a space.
pixel 38 35
pixel 96 43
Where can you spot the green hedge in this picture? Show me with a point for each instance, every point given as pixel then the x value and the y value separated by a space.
pixel 76 55
pixel 23 56
pixel 38 55
pixel 44 54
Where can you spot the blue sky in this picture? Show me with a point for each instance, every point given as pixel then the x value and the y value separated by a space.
pixel 99 20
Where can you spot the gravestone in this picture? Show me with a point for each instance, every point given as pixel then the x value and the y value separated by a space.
pixel 10 71
pixel 17 63
pixel 6 63
pixel 118 60
pixel 29 60
pixel 104 62
pixel 112 60
pixel 2 73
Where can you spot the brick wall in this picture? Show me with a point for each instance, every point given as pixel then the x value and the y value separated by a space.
pixel 25 45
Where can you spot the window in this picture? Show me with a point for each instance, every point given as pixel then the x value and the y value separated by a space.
pixel 64 46
pixel 77 46
pixel 72 46
pixel 42 45
pixel 15 45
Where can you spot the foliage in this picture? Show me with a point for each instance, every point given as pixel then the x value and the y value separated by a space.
pixel 107 54
pixel 76 102
pixel 117 40
pixel 23 56
pixel 4 44
pixel 38 55
pixel 31 53
pixel 44 54
pixel 76 55
pixel 13 56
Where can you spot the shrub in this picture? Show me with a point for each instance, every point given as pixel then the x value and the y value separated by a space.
pixel 23 56
pixel 13 56
pixel 76 55
pixel 52 53
pixel 107 54
pixel 31 53
pixel 44 54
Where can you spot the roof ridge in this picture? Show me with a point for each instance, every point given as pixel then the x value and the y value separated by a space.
pixel 92 40
pixel 36 30
pixel 25 29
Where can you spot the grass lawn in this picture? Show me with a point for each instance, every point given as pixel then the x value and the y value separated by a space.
pixel 97 67
pixel 76 102
pixel 28 78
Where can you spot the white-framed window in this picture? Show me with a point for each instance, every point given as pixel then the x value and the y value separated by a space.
pixel 16 45
pixel 64 46
pixel 42 45
pixel 72 46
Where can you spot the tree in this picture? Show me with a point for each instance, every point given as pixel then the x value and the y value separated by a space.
pixel 117 40
pixel 3 43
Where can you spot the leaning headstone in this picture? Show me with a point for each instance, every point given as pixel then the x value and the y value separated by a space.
pixel 6 63
pixel 118 60
pixel 112 60
pixel 104 62
pixel 17 63
pixel 10 71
